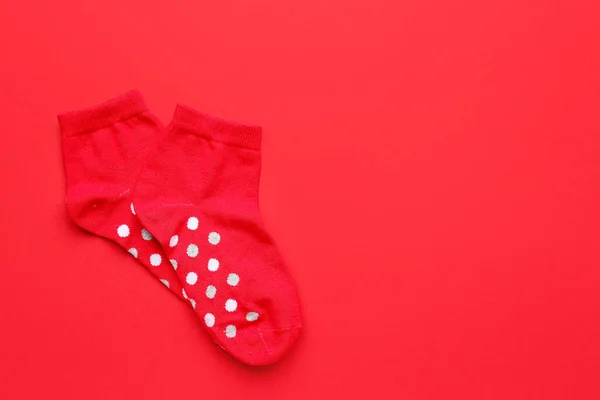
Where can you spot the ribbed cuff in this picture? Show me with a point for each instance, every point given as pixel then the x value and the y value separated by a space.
pixel 217 129
pixel 120 108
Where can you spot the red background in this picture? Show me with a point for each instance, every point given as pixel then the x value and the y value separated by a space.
pixel 430 171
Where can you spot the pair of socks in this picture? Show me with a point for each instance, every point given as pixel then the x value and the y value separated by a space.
pixel 183 201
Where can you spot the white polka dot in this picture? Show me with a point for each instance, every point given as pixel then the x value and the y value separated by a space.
pixel 209 320
pixel 230 331
pixel 252 316
pixel 166 283
pixel 233 279
pixel 192 223
pixel 174 264
pixel 173 241
pixel 183 293
pixel 133 252
pixel 211 291
pixel 213 264
pixel 214 238
pixel 230 305
pixel 155 260
pixel 132 209
pixel 191 278
pixel 146 235
pixel 123 231
pixel 193 303
pixel 192 250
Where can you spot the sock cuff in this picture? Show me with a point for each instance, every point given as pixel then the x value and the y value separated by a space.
pixel 217 129
pixel 100 116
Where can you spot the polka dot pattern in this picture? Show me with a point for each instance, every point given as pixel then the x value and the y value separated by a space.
pixel 251 316
pixel 214 238
pixel 233 279
pixel 191 278
pixel 192 250
pixel 146 235
pixel 123 231
pixel 192 223
pixel 213 264
pixel 209 320
pixel 231 305
pixel 132 209
pixel 230 331
pixel 155 260
pixel 133 251
pixel 166 283
pixel 211 291
pixel 193 303
pixel 184 294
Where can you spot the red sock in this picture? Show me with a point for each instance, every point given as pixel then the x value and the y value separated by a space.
pixel 104 148
pixel 199 197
